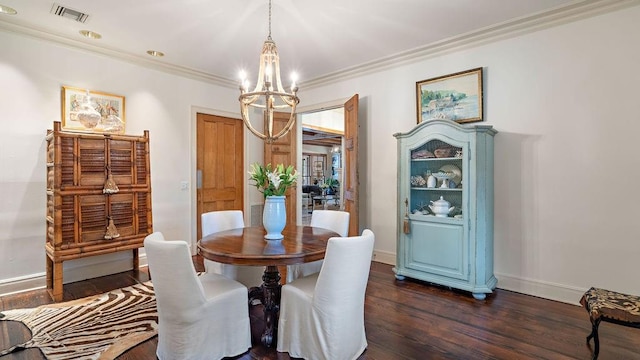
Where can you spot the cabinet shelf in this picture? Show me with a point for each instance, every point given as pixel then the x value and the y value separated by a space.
pixel 433 218
pixel 437 159
pixel 436 189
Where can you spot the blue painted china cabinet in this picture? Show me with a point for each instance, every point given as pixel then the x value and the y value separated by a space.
pixel 445 205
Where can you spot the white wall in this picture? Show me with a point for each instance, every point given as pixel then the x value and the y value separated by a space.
pixel 332 119
pixel 563 100
pixel 565 103
pixel 32 73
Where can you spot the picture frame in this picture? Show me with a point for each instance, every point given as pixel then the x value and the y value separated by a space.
pixel 456 97
pixel 318 168
pixel 106 104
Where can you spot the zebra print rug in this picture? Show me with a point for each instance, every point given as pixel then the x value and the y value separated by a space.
pixel 98 327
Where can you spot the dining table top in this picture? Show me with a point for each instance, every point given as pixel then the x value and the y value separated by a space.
pixel 247 246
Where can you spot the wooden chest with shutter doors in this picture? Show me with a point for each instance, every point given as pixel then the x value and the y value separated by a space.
pixel 98 198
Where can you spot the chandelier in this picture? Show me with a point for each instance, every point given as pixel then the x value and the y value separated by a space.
pixel 268 94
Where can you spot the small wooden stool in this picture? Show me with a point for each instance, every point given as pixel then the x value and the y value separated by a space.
pixel 609 306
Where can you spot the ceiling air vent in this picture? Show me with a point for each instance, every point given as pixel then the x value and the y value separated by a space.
pixel 69 13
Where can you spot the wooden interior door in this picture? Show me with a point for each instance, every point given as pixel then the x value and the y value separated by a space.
pixel 350 172
pixel 283 151
pixel 220 164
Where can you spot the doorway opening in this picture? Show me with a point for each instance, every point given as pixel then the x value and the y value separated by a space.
pixel 321 160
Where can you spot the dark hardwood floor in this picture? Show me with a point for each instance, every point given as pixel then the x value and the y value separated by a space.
pixel 407 320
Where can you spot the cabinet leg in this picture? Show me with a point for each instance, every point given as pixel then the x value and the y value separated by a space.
pixel 479 296
pixel 49 268
pixel 136 260
pixel 54 279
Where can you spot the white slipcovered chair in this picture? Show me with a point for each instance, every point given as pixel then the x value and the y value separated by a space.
pixel 155 235
pixel 199 317
pixel 322 315
pixel 216 221
pixel 337 221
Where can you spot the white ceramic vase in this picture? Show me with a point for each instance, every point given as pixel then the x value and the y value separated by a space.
pixel 274 217
pixel 431 181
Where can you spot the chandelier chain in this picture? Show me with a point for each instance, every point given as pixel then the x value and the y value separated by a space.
pixel 269 37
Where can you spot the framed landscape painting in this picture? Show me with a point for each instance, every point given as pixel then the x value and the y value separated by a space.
pixel 106 104
pixel 456 97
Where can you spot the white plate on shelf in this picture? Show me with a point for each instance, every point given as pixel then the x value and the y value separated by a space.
pixel 457 178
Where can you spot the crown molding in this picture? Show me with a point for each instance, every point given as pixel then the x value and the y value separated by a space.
pixel 561 15
pixel 116 54
pixel 508 29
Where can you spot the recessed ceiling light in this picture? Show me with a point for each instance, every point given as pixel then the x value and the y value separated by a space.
pixel 7 10
pixel 90 34
pixel 155 53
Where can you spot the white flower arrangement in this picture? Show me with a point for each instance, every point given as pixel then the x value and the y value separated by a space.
pixel 275 181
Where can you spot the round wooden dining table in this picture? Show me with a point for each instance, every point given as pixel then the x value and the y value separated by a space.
pixel 247 246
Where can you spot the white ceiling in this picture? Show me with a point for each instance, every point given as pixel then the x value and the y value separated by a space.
pixel 215 39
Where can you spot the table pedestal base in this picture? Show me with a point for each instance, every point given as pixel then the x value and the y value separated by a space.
pixel 269 294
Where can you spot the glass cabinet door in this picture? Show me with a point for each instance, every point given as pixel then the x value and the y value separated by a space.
pixel 436 180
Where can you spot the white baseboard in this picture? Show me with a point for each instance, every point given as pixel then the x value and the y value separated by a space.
pixel 546 290
pixel 384 257
pixel 543 289
pixel 73 273
pixel 22 283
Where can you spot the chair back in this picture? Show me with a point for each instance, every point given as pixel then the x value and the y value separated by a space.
pixel 334 220
pixel 179 294
pixel 344 274
pixel 339 294
pixel 156 235
pixel 216 221
pixel 199 317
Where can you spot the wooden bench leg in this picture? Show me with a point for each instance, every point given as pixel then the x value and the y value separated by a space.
pixel 596 340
